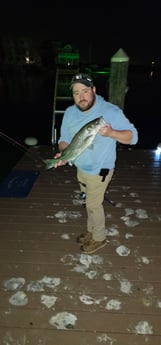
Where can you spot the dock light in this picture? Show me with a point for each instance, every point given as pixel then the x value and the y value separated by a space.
pixel 157 153
pixel 30 141
pixel 158 148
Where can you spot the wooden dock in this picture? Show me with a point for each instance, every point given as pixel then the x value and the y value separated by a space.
pixel 53 294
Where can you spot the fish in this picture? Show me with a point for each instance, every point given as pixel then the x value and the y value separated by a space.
pixel 82 140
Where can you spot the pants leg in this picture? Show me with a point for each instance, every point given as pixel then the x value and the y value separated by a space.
pixel 95 190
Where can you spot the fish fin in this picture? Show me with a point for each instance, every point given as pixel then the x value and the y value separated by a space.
pixel 70 163
pixel 90 147
pixel 49 163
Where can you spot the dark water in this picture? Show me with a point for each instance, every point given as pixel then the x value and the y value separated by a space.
pixel 27 95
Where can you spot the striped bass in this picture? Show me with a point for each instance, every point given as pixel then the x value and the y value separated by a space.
pixel 81 141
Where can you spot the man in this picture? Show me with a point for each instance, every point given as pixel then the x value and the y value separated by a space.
pixel 95 166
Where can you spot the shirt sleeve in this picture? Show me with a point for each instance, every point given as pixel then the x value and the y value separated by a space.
pixel 119 121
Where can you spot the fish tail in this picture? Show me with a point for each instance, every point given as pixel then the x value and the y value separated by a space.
pixel 49 163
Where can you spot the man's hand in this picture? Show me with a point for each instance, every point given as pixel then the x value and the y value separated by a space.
pixel 106 130
pixel 61 162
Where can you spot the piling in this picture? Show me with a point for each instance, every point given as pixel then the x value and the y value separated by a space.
pixel 118 78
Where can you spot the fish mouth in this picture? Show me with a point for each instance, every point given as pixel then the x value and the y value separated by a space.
pixel 103 122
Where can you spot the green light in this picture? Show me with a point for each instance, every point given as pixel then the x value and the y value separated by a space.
pixel 68 56
pixel 102 72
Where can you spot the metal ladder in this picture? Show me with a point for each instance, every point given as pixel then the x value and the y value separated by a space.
pixel 62 99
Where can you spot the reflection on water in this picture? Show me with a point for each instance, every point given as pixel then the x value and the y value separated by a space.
pixel 27 101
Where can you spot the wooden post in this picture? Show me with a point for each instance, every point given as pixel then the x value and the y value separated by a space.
pixel 118 78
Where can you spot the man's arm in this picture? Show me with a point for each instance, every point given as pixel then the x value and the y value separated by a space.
pixel 62 145
pixel 122 136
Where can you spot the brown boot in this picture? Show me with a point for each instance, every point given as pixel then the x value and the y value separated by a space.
pixel 84 238
pixel 92 246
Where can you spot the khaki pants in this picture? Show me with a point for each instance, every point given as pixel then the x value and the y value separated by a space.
pixel 95 189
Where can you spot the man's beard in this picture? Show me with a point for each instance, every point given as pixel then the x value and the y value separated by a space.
pixel 89 105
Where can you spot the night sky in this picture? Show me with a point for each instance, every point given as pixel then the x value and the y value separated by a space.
pixel 105 27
